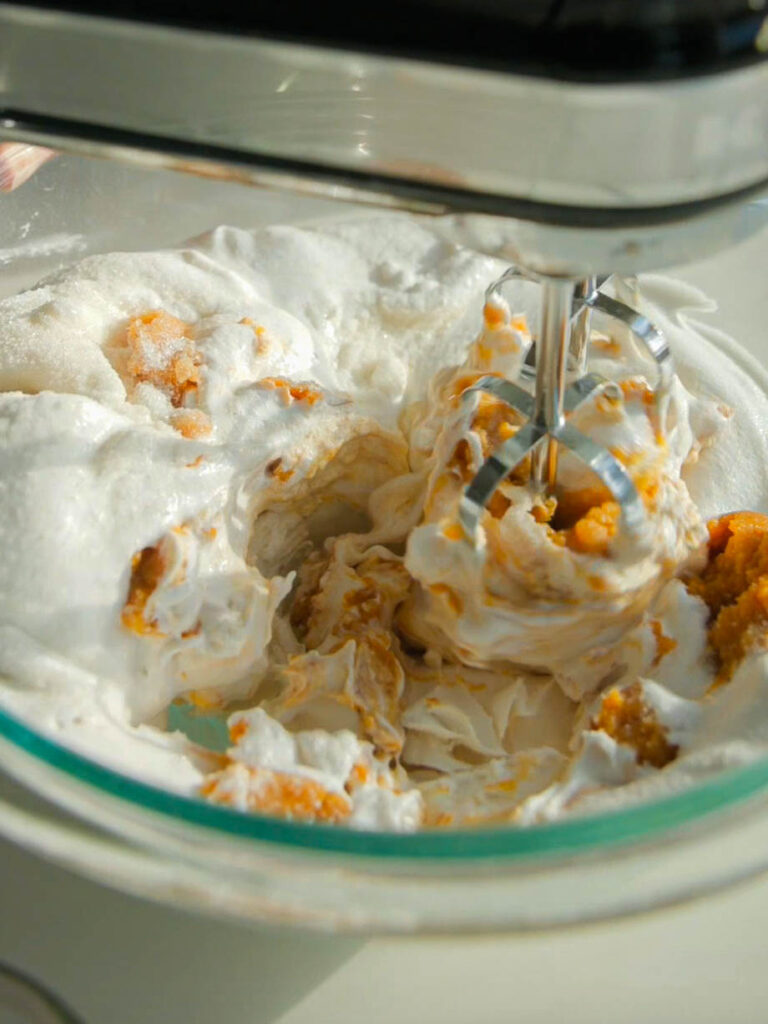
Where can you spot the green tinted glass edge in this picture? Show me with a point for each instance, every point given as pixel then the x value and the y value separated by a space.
pixel 582 834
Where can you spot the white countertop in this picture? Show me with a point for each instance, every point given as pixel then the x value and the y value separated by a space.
pixel 121 961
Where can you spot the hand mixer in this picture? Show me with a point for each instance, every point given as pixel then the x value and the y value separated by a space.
pixel 576 138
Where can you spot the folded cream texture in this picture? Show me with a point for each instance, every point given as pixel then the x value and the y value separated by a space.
pixel 231 474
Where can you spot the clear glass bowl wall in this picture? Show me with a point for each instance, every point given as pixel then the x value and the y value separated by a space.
pixel 192 854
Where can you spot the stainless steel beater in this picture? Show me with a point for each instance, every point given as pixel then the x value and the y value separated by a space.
pixel 566 308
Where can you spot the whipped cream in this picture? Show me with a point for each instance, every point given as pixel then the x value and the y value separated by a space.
pixel 231 476
pixel 312 775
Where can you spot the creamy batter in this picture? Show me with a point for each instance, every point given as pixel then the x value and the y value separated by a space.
pixel 230 480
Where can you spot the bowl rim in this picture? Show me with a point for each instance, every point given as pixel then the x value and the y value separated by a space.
pixel 579 835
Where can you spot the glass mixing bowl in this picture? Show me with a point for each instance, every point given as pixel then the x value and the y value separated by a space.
pixel 190 853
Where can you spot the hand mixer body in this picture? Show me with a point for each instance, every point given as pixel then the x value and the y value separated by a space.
pixel 595 135
pixel 570 40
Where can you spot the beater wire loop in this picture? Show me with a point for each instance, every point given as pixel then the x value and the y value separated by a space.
pixel 541 434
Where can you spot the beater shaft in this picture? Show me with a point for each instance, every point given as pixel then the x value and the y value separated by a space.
pixel 551 359
pixel 580 326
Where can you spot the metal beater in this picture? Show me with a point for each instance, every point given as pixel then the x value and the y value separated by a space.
pixel 566 308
